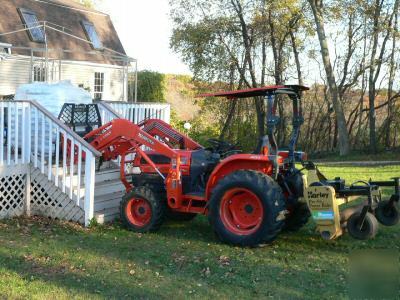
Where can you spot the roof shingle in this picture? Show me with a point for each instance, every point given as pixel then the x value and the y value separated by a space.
pixel 63 15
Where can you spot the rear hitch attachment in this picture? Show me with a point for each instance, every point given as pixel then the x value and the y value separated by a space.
pixel 326 200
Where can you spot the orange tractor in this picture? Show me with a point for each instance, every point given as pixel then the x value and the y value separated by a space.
pixel 248 198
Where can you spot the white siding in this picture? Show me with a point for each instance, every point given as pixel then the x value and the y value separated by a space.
pixel 13 72
pixel 16 71
pixel 84 75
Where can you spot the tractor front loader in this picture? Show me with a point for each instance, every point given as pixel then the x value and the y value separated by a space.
pixel 248 197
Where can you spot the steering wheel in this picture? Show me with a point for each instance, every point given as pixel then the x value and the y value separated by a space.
pixel 221 145
pixel 224 148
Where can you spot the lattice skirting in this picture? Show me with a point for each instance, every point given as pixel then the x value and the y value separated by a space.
pixel 12 195
pixel 49 201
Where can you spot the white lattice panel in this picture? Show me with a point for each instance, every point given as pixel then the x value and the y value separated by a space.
pixel 12 195
pixel 49 201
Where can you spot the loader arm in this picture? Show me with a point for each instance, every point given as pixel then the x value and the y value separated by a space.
pixel 121 137
pixel 168 135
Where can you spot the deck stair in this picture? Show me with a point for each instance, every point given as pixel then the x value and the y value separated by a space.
pixel 108 194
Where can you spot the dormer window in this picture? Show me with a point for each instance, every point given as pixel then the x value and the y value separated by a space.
pixel 5 49
pixel 35 31
pixel 92 35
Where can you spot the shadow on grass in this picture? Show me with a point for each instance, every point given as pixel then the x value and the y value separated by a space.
pixel 79 283
pixel 181 260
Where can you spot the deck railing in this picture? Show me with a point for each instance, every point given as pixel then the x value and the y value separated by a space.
pixel 32 135
pixel 135 112
pixel 107 113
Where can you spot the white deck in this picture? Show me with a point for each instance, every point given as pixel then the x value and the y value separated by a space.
pixel 41 174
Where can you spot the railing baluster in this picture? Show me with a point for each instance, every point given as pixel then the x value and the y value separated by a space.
pixel 79 174
pixel 136 121
pixel 9 132
pixel 28 140
pixel 36 137
pixel 57 156
pixel 50 150
pixel 16 146
pixel 23 145
pixel 131 114
pixel 90 165
pixel 167 114
pixel 71 168
pixel 42 143
pixel 65 141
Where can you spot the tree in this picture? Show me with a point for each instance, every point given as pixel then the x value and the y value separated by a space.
pixel 89 3
pixel 232 39
pixel 393 67
pixel 250 43
pixel 150 86
pixel 381 29
pixel 344 143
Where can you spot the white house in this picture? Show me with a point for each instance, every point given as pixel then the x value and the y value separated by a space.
pixel 52 40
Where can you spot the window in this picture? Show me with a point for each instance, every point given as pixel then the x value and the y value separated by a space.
pixel 31 22
pixel 98 85
pixel 4 50
pixel 39 74
pixel 92 35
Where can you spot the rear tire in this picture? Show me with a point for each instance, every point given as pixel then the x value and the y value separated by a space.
pixel 298 217
pixel 387 215
pixel 299 213
pixel 367 231
pixel 247 208
pixel 142 210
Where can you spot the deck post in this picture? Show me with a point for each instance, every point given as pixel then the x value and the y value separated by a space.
pixel 90 169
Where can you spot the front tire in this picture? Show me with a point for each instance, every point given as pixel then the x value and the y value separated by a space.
pixel 142 210
pixel 247 208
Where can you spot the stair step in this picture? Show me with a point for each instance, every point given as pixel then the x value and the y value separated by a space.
pixel 107 175
pixel 108 201
pixel 108 187
pixel 107 215
pixel 110 196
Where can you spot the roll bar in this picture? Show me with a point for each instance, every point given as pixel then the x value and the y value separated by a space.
pixel 272 120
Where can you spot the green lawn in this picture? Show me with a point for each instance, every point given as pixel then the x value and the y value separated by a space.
pixel 393 155
pixel 44 259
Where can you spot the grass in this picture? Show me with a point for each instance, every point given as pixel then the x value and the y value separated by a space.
pixel 43 259
pixel 393 155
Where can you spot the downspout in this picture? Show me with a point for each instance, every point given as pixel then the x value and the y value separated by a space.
pixel 46 68
pixel 136 79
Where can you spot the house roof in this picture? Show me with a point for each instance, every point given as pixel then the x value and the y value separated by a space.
pixel 64 15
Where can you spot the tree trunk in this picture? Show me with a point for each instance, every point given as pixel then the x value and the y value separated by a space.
pixel 392 70
pixel 296 57
pixel 377 62
pixel 343 136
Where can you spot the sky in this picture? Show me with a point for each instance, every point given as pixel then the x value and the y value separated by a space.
pixel 144 28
